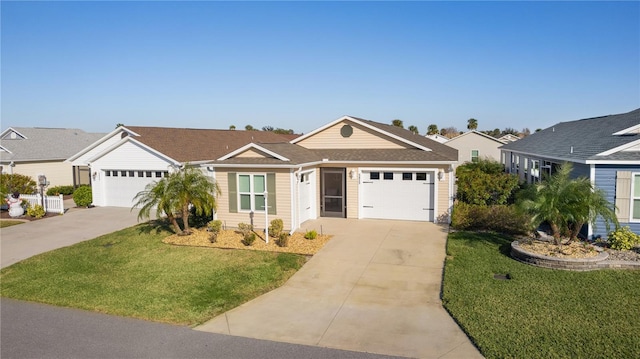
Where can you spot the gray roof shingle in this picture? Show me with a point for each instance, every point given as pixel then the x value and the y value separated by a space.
pixel 582 140
pixel 46 144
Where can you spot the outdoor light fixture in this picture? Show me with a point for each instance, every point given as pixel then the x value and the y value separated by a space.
pixel 441 175
pixel 352 174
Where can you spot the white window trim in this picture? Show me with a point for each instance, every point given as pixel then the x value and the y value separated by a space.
pixel 632 198
pixel 477 157
pixel 252 194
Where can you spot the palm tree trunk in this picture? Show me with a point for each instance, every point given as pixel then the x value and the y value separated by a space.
pixel 185 219
pixel 555 231
pixel 174 223
pixel 575 230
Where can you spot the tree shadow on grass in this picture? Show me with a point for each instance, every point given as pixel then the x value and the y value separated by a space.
pixel 473 239
pixel 155 226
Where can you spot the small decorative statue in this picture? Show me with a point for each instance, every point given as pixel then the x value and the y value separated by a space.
pixel 15 205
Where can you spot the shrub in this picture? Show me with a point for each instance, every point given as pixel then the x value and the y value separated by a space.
pixel 276 227
pixel 283 240
pixel 623 239
pixel 57 190
pixel 82 196
pixel 249 239
pixel 214 227
pixel 312 234
pixel 245 229
pixel 36 211
pixel 485 183
pixel 16 182
pixel 499 218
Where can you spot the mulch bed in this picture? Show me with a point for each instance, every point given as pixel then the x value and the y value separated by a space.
pixel 229 239
pixel 5 215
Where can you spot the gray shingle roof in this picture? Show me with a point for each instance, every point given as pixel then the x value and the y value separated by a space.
pixel 582 140
pixel 45 144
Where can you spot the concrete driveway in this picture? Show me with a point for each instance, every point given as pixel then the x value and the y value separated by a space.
pixel 26 240
pixel 375 287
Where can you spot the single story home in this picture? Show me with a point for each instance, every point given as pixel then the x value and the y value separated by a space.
pixel 349 168
pixel 35 151
pixel 604 149
pixel 473 145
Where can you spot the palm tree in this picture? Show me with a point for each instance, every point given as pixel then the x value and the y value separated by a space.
pixel 176 193
pixel 154 197
pixel 413 129
pixel 472 124
pixel 432 129
pixel 190 187
pixel 397 123
pixel 567 204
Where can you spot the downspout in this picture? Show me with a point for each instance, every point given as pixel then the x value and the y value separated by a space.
pixel 451 194
pixel 295 192
pixel 592 179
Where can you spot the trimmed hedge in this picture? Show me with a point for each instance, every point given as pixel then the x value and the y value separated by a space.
pixel 83 196
pixel 65 190
pixel 498 218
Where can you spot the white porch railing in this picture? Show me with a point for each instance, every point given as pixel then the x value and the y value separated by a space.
pixel 53 204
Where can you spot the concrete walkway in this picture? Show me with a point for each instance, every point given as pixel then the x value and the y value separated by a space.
pixel 375 287
pixel 76 225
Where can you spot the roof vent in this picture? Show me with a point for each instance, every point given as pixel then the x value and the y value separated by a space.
pixel 571 150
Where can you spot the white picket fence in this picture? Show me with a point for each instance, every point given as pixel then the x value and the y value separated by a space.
pixel 53 204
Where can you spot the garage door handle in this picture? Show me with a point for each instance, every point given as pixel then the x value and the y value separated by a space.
pixel 367 206
pixel 367 181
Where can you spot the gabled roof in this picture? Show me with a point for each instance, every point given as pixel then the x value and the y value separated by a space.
pixel 43 144
pixel 192 145
pixel 414 140
pixel 477 133
pixel 592 140
pixel 438 138
pixel 509 138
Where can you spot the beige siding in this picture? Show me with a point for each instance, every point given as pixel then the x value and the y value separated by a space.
pixel 58 173
pixel 283 199
pixel 362 137
pixel 251 153
pixel 487 148
pixel 353 203
pixel 443 193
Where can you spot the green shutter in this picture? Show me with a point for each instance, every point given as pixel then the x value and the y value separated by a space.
pixel 233 192
pixel 271 189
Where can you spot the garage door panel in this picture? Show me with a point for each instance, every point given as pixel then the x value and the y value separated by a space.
pixel 121 189
pixel 398 198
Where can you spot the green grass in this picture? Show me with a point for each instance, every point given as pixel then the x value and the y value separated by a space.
pixel 539 313
pixel 132 273
pixel 8 223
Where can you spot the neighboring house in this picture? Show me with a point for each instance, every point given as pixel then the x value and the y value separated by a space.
pixel 604 149
pixel 509 138
pixel 349 168
pixel 438 138
pixel 473 145
pixel 33 151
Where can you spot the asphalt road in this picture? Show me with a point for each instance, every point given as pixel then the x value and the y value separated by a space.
pixel 31 330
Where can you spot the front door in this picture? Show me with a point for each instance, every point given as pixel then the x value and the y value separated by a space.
pixel 333 196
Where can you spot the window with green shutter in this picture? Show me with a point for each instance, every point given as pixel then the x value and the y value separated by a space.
pixel 250 192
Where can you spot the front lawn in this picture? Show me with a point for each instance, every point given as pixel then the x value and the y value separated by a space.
pixel 538 313
pixel 8 223
pixel 132 273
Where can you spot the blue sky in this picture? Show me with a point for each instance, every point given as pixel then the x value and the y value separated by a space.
pixel 300 65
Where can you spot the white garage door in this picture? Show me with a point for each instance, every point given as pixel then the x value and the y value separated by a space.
pixel 120 186
pixel 307 201
pixel 398 195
